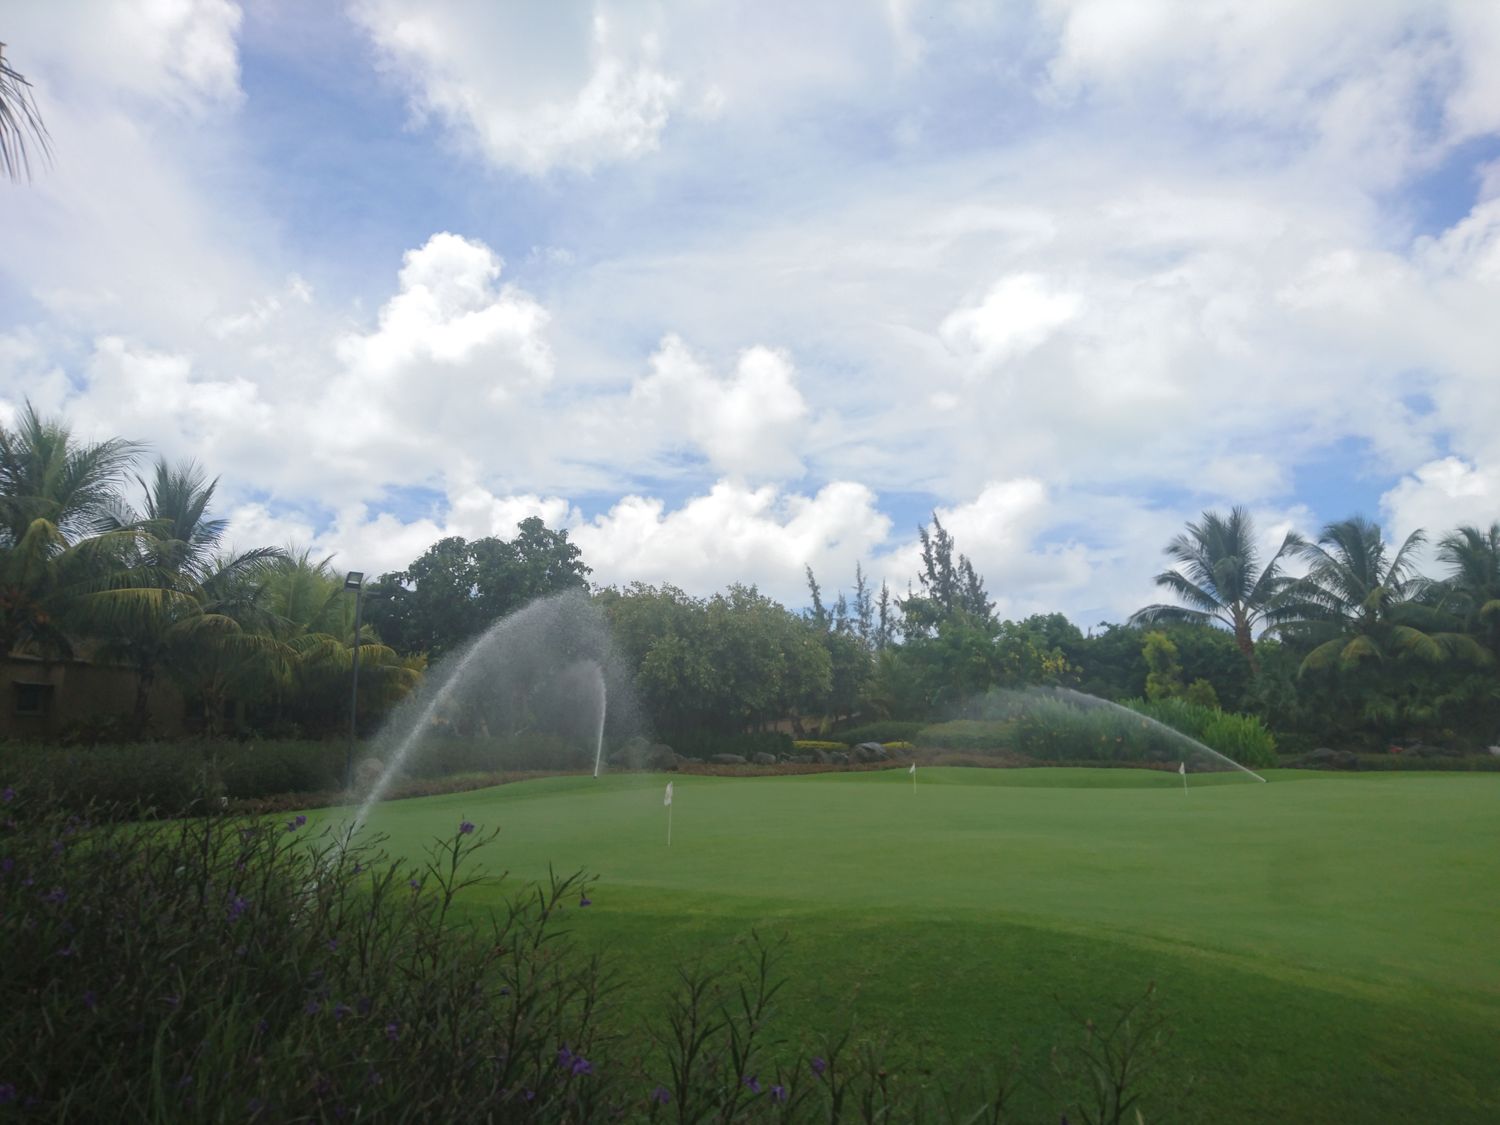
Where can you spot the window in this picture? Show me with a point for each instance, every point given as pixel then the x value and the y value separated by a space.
pixel 33 699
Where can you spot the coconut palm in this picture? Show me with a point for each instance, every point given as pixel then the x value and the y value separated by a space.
pixel 1473 584
pixel 46 475
pixel 207 610
pixel 1220 578
pixel 57 577
pixel 1361 602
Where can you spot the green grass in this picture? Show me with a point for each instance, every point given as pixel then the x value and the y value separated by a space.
pixel 1324 945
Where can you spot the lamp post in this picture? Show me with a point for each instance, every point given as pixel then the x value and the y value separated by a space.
pixel 355 582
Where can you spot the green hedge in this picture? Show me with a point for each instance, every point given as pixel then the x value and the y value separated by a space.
pixel 891 731
pixel 967 734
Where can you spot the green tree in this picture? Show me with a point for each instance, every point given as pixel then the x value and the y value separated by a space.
pixel 1221 579
pixel 951 588
pixel 57 574
pixel 1473 583
pixel 199 615
pixel 457 589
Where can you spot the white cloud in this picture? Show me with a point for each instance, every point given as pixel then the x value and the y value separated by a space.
pixel 1442 495
pixel 1015 316
pixel 748 424
pixel 532 90
pixel 180 54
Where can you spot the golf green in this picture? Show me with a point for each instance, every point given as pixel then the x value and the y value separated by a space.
pixel 1324 945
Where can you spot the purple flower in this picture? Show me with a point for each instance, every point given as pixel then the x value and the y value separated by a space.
pixel 90 1000
pixel 255 1105
pixel 237 906
pixel 752 1083
pixel 531 1095
pixel 6 864
pixel 564 1056
pixel 262 1026
pixel 340 1010
pixel 393 1031
pixel 8 794
pixel 778 1093
pixel 333 943
pixel 818 1065
pixel 7 1089
pixel 362 1005
pixel 414 885
pixel 56 896
pixel 312 1007
pixel 582 1065
pixel 466 827
pixel 373 1078
pixel 661 1095
pixel 584 900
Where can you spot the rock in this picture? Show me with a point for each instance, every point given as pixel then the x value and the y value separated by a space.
pixel 661 757
pixel 633 755
pixel 763 759
pixel 727 760
pixel 838 758
pixel 870 752
pixel 820 756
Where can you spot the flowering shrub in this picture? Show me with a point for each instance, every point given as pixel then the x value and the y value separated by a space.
pixel 220 968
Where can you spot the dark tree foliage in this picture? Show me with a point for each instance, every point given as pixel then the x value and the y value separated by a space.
pixel 458 589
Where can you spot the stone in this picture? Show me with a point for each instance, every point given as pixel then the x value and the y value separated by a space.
pixel 727 760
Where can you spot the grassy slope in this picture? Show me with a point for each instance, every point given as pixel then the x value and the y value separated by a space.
pixel 1323 948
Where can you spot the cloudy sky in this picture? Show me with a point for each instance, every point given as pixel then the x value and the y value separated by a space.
pixel 725 289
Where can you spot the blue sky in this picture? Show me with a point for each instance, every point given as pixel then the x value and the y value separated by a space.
pixel 731 289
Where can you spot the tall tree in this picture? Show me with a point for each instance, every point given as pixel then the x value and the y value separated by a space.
pixel 1221 579
pixel 45 474
pixel 1473 582
pixel 1362 602
pixel 864 615
pixel 951 587
pixel 205 611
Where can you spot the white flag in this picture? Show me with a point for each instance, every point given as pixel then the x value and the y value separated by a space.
pixel 1181 768
pixel 913 770
pixel 667 800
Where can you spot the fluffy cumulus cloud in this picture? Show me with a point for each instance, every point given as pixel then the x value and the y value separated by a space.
pixel 749 424
pixel 1442 495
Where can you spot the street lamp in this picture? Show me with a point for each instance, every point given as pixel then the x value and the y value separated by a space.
pixel 355 582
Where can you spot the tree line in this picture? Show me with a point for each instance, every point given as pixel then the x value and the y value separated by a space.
pixel 101 560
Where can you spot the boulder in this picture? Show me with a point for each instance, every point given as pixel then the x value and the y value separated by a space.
pixel 820 756
pixel 870 752
pixel 661 757
pixel 727 760
pixel 634 754
pixel 838 758
pixel 763 759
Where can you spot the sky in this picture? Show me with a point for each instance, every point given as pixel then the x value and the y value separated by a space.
pixel 730 289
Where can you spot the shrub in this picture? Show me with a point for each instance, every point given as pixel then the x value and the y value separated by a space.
pixel 1241 738
pixel 967 734
pixel 805 744
pixel 214 969
pixel 883 732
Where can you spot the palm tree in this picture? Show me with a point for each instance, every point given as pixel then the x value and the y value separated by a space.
pixel 1473 584
pixel 46 475
pixel 206 609
pixel 1359 602
pixel 56 575
pixel 20 123
pixel 1221 580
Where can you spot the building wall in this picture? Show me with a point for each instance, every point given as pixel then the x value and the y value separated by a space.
pixel 44 699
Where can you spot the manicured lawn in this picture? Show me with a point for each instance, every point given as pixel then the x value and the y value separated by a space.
pixel 1324 946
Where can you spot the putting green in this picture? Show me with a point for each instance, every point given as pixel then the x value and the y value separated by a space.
pixel 1325 945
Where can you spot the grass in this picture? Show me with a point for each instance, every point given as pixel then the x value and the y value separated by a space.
pixel 1323 945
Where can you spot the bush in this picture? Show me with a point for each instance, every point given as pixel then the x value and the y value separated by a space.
pixel 1241 738
pixel 217 969
pixel 967 734
pixel 883 732
pixel 804 744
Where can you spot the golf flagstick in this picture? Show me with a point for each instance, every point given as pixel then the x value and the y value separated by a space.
pixel 667 800
pixel 1182 769
pixel 913 772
